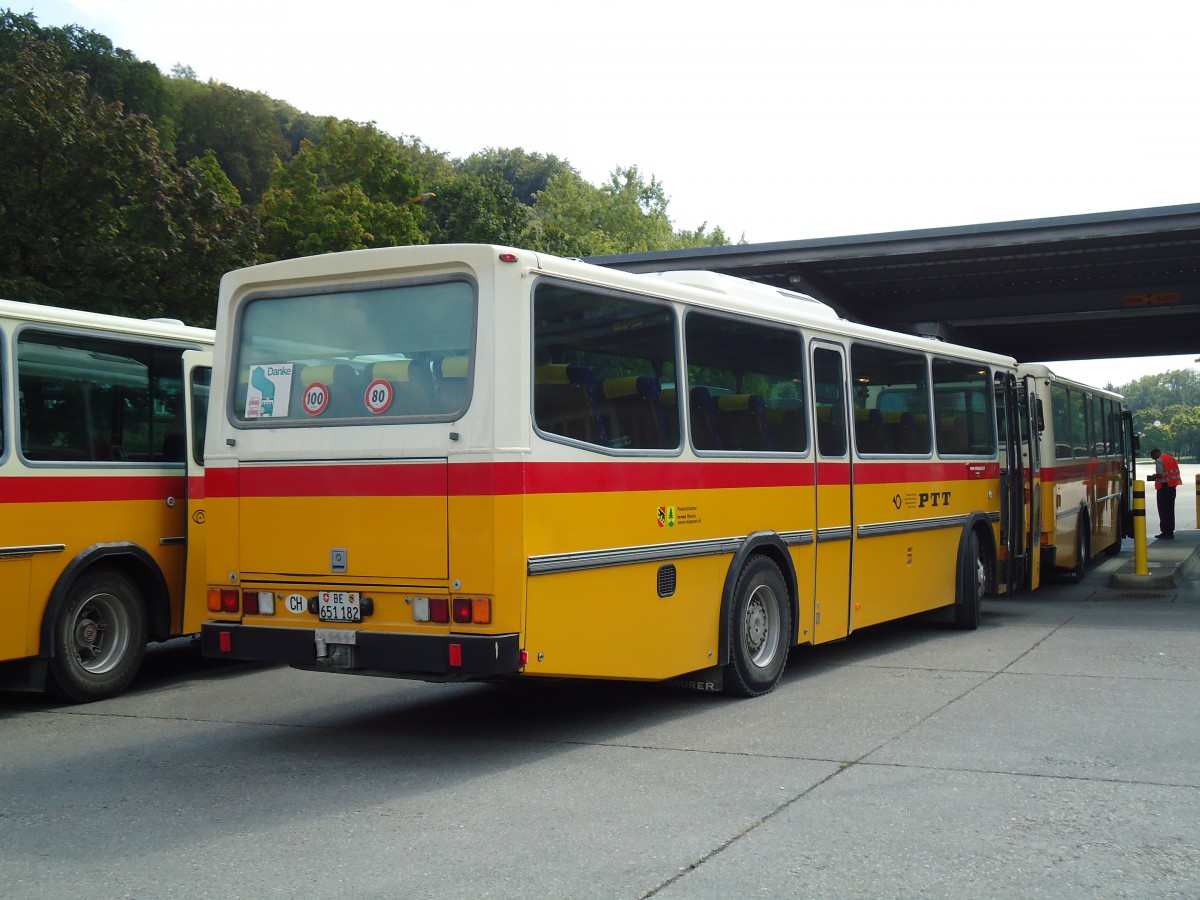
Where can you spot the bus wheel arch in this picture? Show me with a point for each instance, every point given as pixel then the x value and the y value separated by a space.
pixel 759 608
pixel 136 579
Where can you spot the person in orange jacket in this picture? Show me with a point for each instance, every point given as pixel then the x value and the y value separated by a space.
pixel 1166 479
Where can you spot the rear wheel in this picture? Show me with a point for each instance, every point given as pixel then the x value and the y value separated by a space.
pixel 1083 549
pixel 972 580
pixel 99 637
pixel 759 629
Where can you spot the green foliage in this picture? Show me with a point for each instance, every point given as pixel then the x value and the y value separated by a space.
pixel 1172 400
pixel 475 209
pixel 528 173
pixel 240 127
pixel 116 75
pixel 627 214
pixel 94 214
pixel 349 190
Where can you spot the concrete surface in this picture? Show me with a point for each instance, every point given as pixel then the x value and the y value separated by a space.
pixel 1052 752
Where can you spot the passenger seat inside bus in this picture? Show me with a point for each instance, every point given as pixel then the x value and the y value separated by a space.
pixel 564 402
pixel 630 410
pixel 703 419
pixel 451 388
pixel 741 421
pixel 952 434
pixel 412 386
pixel 347 392
pixel 868 430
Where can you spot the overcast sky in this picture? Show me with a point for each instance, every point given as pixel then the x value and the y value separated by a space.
pixel 773 121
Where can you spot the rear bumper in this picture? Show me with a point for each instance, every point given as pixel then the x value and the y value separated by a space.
pixel 440 657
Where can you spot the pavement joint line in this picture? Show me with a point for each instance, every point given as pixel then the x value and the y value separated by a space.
pixel 744 832
pixel 1053 776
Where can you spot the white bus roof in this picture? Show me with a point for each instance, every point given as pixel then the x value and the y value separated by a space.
pixel 705 289
pixel 1037 370
pixel 75 318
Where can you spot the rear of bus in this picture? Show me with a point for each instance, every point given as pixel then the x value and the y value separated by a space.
pixel 364 497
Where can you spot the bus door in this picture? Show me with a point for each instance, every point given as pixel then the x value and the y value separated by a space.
pixel 1129 452
pixel 197 375
pixel 1032 425
pixel 834 518
pixel 16 560
pixel 1015 518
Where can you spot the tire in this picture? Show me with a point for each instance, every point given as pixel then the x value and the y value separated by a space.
pixel 1083 550
pixel 972 581
pixel 759 630
pixel 99 637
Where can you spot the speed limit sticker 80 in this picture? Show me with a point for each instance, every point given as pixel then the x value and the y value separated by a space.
pixel 379 396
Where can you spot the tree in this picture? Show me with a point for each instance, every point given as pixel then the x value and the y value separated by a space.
pixel 116 75
pixel 94 214
pixel 349 190
pixel 528 173
pixel 627 214
pixel 240 127
pixel 475 209
pixel 1178 386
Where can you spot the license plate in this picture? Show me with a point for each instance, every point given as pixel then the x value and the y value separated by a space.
pixel 338 606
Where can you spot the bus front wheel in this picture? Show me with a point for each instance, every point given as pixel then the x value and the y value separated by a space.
pixel 99 637
pixel 759 626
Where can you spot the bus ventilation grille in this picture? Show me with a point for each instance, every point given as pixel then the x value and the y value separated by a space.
pixel 666 580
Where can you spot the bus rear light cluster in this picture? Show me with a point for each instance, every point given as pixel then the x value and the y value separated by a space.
pixel 252 603
pixel 473 610
pixel 223 600
pixel 259 603
pixel 440 610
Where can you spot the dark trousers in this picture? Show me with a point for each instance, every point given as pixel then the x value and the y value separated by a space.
pixel 1166 510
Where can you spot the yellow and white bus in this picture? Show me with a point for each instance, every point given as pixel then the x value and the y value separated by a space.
pixel 1087 449
pixel 469 462
pixel 97 430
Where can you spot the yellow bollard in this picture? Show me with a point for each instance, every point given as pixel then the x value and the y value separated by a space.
pixel 1141 565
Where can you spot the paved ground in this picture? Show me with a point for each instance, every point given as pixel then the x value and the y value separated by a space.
pixel 1053 752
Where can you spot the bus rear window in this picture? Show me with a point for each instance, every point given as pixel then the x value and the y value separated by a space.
pixel 373 354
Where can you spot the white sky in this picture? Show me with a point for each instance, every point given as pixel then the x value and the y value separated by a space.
pixel 774 121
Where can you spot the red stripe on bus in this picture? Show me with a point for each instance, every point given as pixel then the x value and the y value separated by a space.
pixel 500 479
pixel 1080 471
pixel 90 488
pixel 923 471
pixel 412 480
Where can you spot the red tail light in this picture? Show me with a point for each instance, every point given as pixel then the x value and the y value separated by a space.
pixel 439 610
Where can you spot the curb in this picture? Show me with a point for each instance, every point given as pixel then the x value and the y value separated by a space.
pixel 1173 564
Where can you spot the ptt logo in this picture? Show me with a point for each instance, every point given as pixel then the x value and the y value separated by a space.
pixel 933 498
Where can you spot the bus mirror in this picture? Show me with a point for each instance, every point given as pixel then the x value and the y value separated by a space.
pixel 1041 417
pixel 1137 443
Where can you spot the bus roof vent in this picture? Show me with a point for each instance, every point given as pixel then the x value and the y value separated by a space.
pixel 731 285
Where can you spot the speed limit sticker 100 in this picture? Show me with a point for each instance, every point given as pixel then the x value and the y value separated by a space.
pixel 316 398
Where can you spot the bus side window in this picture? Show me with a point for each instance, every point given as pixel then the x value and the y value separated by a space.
pixel 746 385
